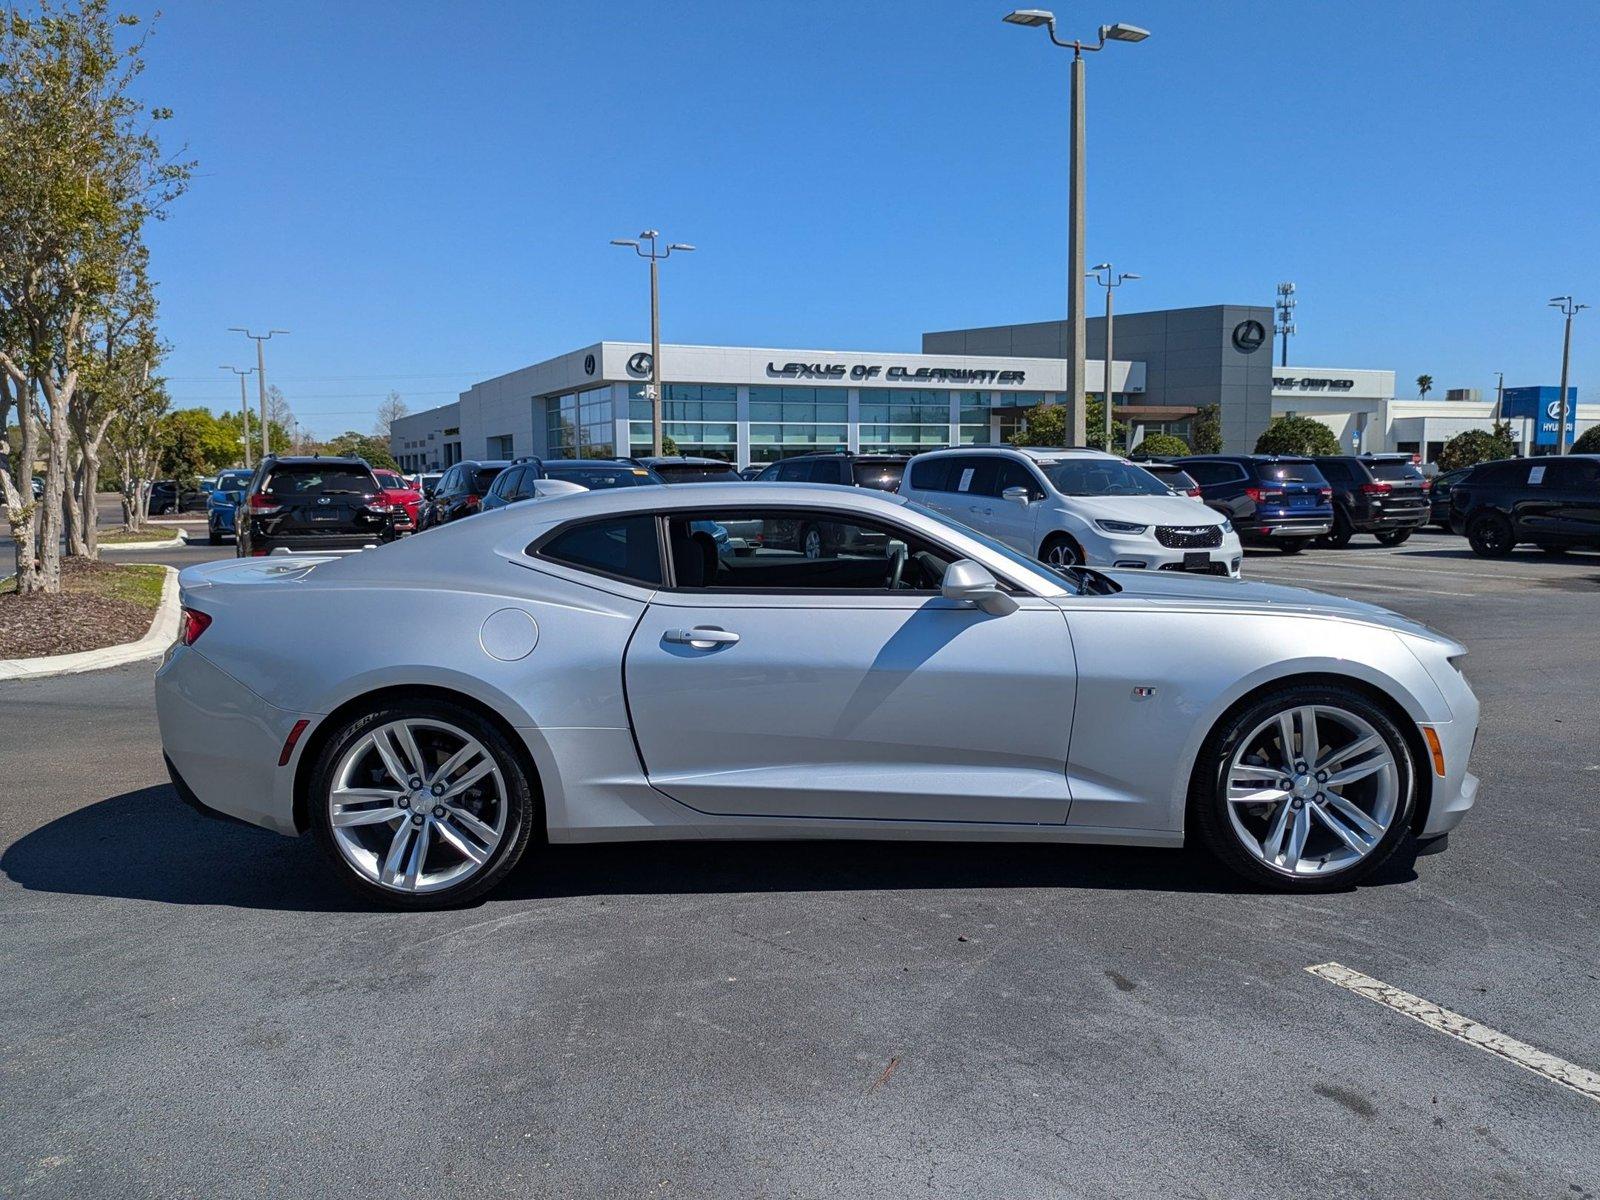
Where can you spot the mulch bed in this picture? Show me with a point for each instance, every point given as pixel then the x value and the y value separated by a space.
pixel 31 626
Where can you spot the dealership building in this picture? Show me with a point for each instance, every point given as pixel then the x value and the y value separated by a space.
pixel 967 387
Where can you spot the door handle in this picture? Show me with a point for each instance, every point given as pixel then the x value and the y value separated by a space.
pixel 980 509
pixel 701 637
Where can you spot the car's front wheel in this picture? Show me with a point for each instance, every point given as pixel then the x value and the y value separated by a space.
pixel 1293 545
pixel 1341 533
pixel 1059 550
pixel 421 805
pixel 1393 537
pixel 1307 789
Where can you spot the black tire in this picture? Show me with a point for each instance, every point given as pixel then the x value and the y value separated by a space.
pixel 213 538
pixel 1061 550
pixel 1339 536
pixel 1393 537
pixel 1293 545
pixel 1208 818
pixel 1490 536
pixel 525 810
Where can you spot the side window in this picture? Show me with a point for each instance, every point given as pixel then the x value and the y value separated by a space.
pixel 1334 472
pixel 754 550
pixel 930 475
pixel 1203 473
pixel 1575 474
pixel 824 470
pixel 1014 474
pixel 977 476
pixel 623 547
pixel 447 485
pixel 505 486
pixel 793 471
pixel 770 474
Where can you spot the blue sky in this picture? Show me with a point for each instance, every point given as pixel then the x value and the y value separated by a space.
pixel 423 193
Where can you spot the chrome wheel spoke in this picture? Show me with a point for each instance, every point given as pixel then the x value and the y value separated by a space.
pixel 464 845
pixel 1349 775
pixel 1350 837
pixel 391 759
pixel 1299 830
pixel 397 854
pixel 408 747
pixel 1370 828
pixel 477 772
pixel 345 817
pixel 419 855
pixel 1309 738
pixel 1361 745
pixel 455 762
pixel 474 826
pixel 1274 838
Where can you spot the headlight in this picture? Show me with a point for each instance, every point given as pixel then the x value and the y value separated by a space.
pixel 1227 525
pixel 1121 526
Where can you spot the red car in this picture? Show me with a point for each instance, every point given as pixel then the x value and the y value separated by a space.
pixel 405 498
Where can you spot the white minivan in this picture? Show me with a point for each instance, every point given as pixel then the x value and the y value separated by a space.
pixel 1075 506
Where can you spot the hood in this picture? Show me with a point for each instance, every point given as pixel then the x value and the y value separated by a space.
pixel 1180 589
pixel 1152 510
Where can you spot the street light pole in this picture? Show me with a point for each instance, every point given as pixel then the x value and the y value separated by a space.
pixel 1499 394
pixel 1112 280
pixel 261 377
pixel 655 256
pixel 1568 310
pixel 1077 333
pixel 244 408
pixel 1285 323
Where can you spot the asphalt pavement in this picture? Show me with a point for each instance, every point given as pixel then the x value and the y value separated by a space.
pixel 192 1007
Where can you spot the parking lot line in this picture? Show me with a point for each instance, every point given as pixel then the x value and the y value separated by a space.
pixel 1465 1029
pixel 1274 577
pixel 1406 564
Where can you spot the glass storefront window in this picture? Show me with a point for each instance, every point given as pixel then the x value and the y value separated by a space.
pixel 579 424
pixel 895 420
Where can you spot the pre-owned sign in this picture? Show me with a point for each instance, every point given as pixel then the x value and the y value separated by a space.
pixel 1332 385
pixel 860 371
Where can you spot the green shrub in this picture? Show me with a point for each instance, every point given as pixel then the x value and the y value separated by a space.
pixel 1588 442
pixel 1297 435
pixel 1474 446
pixel 1162 445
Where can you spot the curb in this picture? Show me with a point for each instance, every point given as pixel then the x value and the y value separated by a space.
pixel 176 539
pixel 163 630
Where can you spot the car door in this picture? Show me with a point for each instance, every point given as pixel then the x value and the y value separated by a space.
pixel 1012 522
pixel 1575 499
pixel 772 685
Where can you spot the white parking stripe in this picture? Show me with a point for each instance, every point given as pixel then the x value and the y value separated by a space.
pixel 1408 566
pixel 1557 1070
pixel 1326 584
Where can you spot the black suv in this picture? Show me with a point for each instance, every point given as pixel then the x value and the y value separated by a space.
pixel 167 497
pixel 1552 502
pixel 1272 499
pixel 1381 494
pixel 312 504
pixel 879 471
pixel 460 491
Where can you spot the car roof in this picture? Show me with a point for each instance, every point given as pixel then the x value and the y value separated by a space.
pixel 1041 454
pixel 652 460
pixel 1182 458
pixel 336 460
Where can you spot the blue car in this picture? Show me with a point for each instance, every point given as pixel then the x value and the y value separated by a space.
pixel 1272 499
pixel 221 503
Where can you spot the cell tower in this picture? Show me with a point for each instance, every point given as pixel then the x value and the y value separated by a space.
pixel 1285 325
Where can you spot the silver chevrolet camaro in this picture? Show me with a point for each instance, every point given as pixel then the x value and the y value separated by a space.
pixel 781 661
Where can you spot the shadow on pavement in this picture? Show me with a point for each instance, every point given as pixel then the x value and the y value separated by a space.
pixel 147 845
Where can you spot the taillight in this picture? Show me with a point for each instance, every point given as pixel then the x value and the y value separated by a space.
pixel 1427 486
pixel 1194 491
pixel 1325 493
pixel 470 501
pixel 1377 489
pixel 1263 496
pixel 264 505
pixel 193 624
pixel 1254 493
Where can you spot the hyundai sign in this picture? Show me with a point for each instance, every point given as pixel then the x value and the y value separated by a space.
pixel 1543 404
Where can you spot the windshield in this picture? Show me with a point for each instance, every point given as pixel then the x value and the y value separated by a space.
pixel 1102 477
pixel 389 479
pixel 1076 579
pixel 234 481
pixel 483 479
pixel 1396 472
pixel 597 478
pixel 1292 472
pixel 697 473
pixel 313 479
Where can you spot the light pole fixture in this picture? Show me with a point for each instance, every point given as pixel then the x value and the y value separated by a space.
pixel 244 407
pixel 261 377
pixel 1107 277
pixel 655 256
pixel 1076 334
pixel 1499 394
pixel 1568 310
pixel 1285 324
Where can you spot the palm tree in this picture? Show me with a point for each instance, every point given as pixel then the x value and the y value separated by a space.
pixel 1424 386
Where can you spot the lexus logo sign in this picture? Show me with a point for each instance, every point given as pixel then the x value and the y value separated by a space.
pixel 1249 336
pixel 588 364
pixel 640 364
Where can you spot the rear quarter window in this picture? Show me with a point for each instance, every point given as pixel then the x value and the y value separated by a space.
pixel 619 547
pixel 1395 472
pixel 1305 472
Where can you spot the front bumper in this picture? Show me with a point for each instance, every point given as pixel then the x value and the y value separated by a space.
pixel 1137 552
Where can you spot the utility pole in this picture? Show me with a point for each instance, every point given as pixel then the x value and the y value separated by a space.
pixel 1111 280
pixel 655 257
pixel 1285 325
pixel 1499 394
pixel 1568 310
pixel 1077 333
pixel 244 408
pixel 261 377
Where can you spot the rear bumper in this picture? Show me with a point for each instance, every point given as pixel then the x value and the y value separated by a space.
pixel 222 741
pixel 1287 527
pixel 1411 518
pixel 315 543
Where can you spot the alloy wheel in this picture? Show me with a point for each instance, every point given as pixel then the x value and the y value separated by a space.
pixel 811 544
pixel 417 805
pixel 1312 790
pixel 1061 554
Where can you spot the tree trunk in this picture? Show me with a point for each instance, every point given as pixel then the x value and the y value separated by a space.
pixel 58 398
pixel 72 509
pixel 24 510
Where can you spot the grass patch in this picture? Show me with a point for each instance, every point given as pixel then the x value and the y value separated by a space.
pixel 139 584
pixel 120 537
pixel 100 604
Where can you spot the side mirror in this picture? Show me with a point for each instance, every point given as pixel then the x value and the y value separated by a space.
pixel 1017 495
pixel 972 582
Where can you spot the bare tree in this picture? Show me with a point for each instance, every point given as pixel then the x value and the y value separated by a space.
pixel 390 411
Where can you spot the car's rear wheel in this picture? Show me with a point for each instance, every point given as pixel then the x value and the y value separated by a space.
pixel 421 805
pixel 811 542
pixel 1341 533
pixel 1393 537
pixel 1307 789
pixel 1490 536
pixel 1293 545
pixel 212 536
pixel 1059 550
